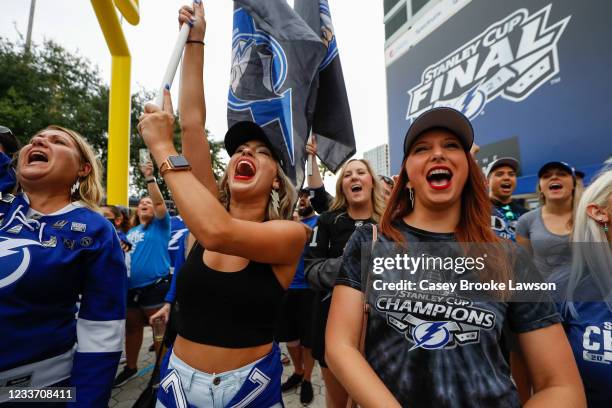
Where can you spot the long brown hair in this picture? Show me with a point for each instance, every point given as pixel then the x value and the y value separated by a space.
pixel 378 203
pixel 474 223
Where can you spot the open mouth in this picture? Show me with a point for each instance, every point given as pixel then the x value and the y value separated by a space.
pixel 356 188
pixel 36 156
pixel 555 186
pixel 439 178
pixel 245 169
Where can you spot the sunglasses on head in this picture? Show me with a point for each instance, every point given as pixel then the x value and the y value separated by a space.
pixel 387 180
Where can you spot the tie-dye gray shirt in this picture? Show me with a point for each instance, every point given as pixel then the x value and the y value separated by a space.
pixel 439 349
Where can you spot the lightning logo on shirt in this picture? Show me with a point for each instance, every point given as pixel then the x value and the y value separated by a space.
pixel 8 249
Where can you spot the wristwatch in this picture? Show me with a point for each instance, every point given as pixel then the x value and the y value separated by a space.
pixel 174 163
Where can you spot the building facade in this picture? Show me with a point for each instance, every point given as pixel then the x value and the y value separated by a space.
pixel 379 159
pixel 532 75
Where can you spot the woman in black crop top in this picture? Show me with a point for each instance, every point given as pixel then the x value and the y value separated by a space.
pixel 246 253
pixel 358 201
pixel 441 348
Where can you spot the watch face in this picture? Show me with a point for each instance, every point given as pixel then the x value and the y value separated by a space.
pixel 178 161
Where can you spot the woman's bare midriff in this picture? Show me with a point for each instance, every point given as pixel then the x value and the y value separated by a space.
pixel 215 360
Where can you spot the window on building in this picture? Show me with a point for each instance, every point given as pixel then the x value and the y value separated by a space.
pixel 417 5
pixel 389 4
pixel 396 22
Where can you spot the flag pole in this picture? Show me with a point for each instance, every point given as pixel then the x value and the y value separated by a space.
pixel 175 57
pixel 311 159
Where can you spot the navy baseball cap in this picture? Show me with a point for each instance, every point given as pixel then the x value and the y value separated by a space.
pixel 557 164
pixel 503 161
pixel 441 117
pixel 241 132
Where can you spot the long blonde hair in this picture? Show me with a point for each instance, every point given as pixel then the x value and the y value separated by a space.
pixel 90 186
pixel 286 194
pixel 378 203
pixel 590 250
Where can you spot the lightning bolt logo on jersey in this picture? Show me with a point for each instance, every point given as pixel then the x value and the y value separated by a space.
pixel 41 281
pixel 510 59
pixel 14 258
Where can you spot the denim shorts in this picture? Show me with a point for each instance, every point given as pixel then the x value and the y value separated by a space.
pixel 150 296
pixel 202 389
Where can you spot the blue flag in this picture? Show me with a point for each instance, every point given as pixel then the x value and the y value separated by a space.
pixel 275 58
pixel 329 114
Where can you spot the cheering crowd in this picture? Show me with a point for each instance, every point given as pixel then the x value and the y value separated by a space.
pixel 252 262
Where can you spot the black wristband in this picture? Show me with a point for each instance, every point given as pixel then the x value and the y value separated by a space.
pixel 195 42
pixel 151 180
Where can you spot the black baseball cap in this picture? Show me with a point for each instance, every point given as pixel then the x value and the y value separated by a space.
pixel 8 140
pixel 558 164
pixel 503 161
pixel 441 117
pixel 579 173
pixel 241 132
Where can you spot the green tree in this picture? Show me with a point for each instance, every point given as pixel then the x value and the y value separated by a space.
pixel 51 85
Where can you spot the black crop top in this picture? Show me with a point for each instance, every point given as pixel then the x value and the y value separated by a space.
pixel 226 309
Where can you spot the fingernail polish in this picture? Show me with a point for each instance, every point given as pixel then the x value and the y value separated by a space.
pixel 167 86
pixel 190 23
pixel 197 1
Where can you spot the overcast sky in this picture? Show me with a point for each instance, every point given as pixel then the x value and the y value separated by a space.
pixel 72 23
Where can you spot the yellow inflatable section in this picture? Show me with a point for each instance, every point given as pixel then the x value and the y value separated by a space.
pixel 119 103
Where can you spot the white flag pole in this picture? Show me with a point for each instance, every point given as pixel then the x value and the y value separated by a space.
pixel 311 159
pixel 173 64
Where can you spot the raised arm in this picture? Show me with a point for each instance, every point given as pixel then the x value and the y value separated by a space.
pixel 313 180
pixel 192 104
pixel 277 242
pixel 159 205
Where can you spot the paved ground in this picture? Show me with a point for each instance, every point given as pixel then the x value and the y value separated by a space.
pixel 124 397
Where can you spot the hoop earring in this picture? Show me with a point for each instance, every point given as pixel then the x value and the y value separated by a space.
pixel 411 196
pixel 275 200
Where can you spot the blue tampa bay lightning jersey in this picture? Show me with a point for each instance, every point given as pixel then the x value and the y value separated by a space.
pixel 49 263
pixel 588 326
pixel 178 229
pixel 7 174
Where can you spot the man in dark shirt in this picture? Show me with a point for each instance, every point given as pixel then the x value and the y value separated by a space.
pixel 501 175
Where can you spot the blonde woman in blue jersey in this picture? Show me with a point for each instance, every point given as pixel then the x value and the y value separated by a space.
pixel 587 315
pixel 57 250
